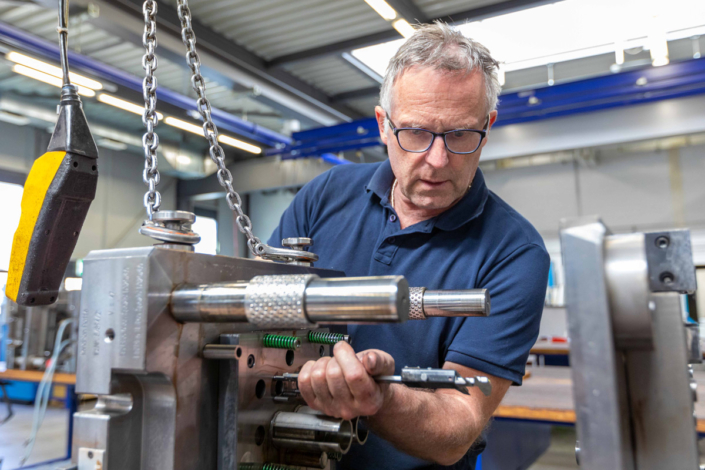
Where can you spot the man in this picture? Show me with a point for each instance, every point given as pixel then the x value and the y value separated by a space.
pixel 427 214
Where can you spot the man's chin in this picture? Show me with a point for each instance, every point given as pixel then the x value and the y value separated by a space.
pixel 432 203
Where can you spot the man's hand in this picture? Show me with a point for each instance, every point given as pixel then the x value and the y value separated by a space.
pixel 343 385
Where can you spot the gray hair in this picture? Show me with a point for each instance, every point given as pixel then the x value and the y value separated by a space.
pixel 442 47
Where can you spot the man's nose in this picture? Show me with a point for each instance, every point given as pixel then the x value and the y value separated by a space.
pixel 437 155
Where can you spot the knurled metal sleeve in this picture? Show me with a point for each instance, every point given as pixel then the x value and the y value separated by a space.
pixel 278 301
pixel 416 303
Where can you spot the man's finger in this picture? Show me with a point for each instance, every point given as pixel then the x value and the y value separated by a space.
pixel 338 387
pixel 361 385
pixel 377 362
pixel 305 384
pixel 319 384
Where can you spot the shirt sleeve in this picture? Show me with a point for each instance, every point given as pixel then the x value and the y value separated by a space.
pixel 500 343
pixel 296 221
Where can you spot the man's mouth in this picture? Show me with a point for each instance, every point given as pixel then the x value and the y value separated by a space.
pixel 432 184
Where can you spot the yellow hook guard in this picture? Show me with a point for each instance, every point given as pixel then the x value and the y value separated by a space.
pixel 56 198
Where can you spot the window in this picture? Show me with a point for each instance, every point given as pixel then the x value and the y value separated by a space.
pixel 207 228
pixel 11 196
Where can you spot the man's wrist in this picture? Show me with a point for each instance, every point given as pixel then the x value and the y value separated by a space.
pixel 389 401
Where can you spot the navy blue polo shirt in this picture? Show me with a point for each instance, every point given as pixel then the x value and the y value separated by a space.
pixel 481 242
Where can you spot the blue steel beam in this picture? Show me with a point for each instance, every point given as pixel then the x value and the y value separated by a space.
pixel 669 82
pixel 657 83
pixel 619 81
pixel 28 42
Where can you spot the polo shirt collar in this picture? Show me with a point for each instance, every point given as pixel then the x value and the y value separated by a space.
pixel 469 207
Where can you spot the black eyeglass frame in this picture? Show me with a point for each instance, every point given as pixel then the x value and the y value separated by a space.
pixel 395 130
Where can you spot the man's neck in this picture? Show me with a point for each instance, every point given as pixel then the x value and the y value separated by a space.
pixel 410 214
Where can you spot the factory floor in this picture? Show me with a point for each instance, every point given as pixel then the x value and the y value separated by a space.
pixel 49 445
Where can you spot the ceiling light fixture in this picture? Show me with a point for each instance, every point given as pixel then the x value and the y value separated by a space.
pixel 227 140
pixel 184 126
pixel 111 144
pixel 52 70
pixel 124 105
pixel 50 79
pixel 223 139
pixel 658 47
pixel 404 28
pixel 12 118
pixel 383 9
pixel 619 53
pixel 183 159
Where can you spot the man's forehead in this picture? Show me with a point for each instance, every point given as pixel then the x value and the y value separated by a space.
pixel 427 94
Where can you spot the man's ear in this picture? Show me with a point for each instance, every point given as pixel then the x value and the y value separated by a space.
pixel 493 119
pixel 381 117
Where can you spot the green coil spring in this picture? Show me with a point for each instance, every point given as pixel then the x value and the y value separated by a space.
pixel 326 338
pixel 281 342
pixel 266 466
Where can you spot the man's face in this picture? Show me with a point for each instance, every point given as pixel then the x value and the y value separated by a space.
pixel 438 101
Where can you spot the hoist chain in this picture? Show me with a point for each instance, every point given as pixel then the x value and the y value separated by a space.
pixel 225 178
pixel 150 139
pixel 150 142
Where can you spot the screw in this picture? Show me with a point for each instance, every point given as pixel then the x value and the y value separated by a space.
pixel 667 278
pixel 663 242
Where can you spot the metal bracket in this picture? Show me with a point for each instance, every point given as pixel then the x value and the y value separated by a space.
pixel 670 261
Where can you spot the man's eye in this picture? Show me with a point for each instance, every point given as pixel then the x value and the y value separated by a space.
pixel 459 134
pixel 417 132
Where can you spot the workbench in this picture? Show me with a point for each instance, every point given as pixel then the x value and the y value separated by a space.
pixel 547 395
pixel 60 378
pixel 68 381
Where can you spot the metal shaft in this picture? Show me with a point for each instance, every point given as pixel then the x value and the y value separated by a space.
pixel 313 300
pixel 210 303
pixel 344 300
pixel 63 30
pixel 311 432
pixel 456 303
pixel 358 299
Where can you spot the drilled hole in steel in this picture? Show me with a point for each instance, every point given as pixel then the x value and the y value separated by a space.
pixel 250 361
pixel 31 301
pixel 663 242
pixel 322 351
pixel 289 357
pixel 238 352
pixel 90 454
pixel 75 164
pixel 278 388
pixel 259 435
pixel 260 388
pixel 667 278
pixel 51 299
pixel 94 168
pixel 109 335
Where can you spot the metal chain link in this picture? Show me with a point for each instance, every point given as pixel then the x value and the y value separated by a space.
pixel 225 178
pixel 150 139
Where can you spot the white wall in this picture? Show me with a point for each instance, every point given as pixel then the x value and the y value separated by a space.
pixel 116 212
pixel 631 191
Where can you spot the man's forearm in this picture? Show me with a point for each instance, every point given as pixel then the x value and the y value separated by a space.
pixel 437 426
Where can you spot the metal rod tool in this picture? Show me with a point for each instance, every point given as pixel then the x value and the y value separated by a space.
pixel 415 377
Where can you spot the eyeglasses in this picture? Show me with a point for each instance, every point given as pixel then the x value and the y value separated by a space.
pixel 461 141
